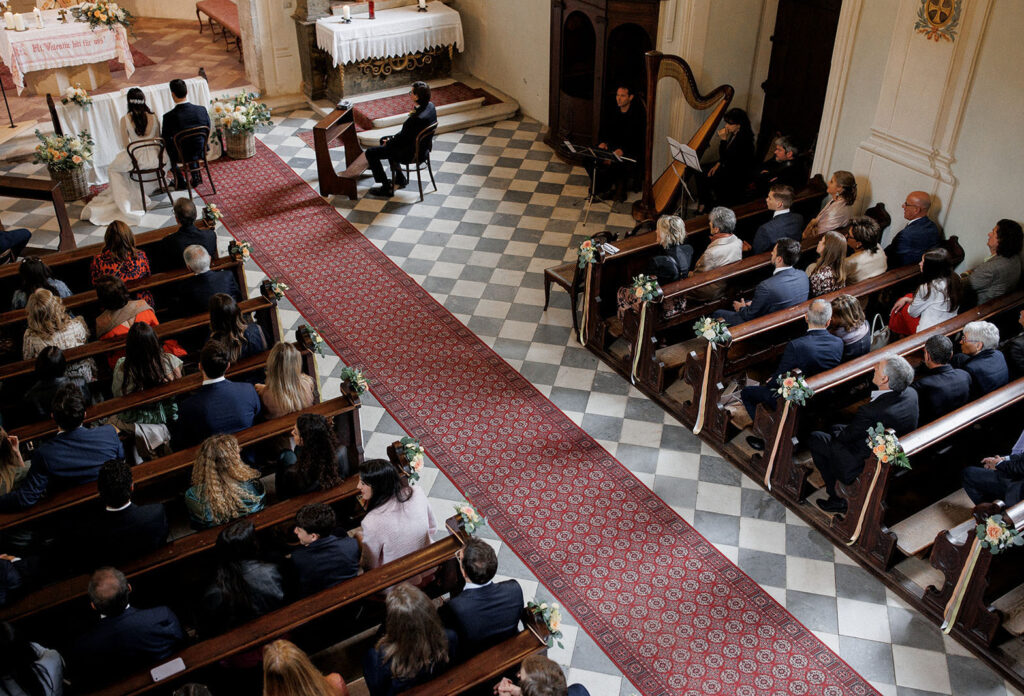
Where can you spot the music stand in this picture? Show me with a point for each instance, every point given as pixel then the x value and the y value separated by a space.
pixel 594 155
pixel 688 157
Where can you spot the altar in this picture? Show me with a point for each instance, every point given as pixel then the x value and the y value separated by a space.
pixel 63 54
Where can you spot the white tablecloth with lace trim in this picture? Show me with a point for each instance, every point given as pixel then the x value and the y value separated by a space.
pixel 395 32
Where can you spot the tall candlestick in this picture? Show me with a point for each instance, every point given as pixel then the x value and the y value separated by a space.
pixel 372 14
pixel 423 4
pixel 346 13
pixel 9 20
pixel 39 18
pixel 19 22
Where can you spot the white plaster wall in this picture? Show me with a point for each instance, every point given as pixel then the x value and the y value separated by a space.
pixel 271 46
pixel 508 45
pixel 171 9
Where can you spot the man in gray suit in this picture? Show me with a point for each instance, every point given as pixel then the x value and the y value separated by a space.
pixel 786 287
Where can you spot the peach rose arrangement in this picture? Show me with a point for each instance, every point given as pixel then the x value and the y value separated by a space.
pixel 886 447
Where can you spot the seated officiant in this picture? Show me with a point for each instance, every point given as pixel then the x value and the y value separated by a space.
pixel 401 146
pixel 123 199
pixel 183 116
pixel 622 132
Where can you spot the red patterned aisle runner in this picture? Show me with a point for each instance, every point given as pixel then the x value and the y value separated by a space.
pixel 674 614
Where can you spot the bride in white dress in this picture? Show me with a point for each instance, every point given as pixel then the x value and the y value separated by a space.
pixel 122 200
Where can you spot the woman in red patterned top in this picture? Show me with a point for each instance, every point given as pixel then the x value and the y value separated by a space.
pixel 121 259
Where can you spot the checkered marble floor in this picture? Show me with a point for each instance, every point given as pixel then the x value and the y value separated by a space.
pixel 505 210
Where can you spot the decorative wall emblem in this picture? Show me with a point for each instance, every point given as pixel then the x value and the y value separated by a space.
pixel 938 19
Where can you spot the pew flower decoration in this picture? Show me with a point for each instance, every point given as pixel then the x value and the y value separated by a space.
pixel 310 338
pixel 277 288
pixel 64 152
pixel 414 454
pixel 239 251
pixel 586 253
pixel 212 215
pixel 551 616
pixel 77 95
pixel 240 114
pixel 645 287
pixel 996 536
pixel 471 519
pixel 887 447
pixel 715 331
pixel 103 14
pixel 793 388
pixel 356 381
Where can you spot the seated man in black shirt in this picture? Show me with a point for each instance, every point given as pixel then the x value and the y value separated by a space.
pixel 124 530
pixel 785 167
pixel 401 147
pixel 622 132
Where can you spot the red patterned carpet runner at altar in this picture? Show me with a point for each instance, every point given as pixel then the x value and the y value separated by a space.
pixel 140 58
pixel 674 614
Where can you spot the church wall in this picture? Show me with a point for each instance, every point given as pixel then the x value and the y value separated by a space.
pixel 162 8
pixel 508 45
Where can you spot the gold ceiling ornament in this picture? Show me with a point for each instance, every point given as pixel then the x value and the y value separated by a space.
pixel 410 61
pixel 938 19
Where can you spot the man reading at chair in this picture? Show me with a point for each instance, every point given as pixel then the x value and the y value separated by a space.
pixel 183 116
pixel 401 147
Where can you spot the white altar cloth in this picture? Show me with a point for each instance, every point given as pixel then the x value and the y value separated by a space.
pixel 59 45
pixel 395 32
pixel 103 119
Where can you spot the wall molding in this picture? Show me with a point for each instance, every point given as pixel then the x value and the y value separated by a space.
pixel 839 73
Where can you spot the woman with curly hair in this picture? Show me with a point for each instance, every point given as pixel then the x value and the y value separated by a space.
pixel 287 671
pixel 229 326
pixel 318 462
pixel 287 389
pixel 121 259
pixel 49 324
pixel 224 488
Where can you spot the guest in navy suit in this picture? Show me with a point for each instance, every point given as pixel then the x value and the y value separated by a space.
pixel 72 457
pixel 324 559
pixel 125 638
pixel 998 478
pixel 486 612
pixel 195 293
pixel 218 406
pixel 16 240
pixel 981 359
pixel 786 287
pixel 919 235
pixel 941 388
pixel 539 674
pixel 783 223
pixel 839 455
pixel 814 352
pixel 170 252
pixel 183 116
pixel 124 530
pixel 401 147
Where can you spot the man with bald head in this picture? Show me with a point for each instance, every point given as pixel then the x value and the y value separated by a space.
pixel 918 236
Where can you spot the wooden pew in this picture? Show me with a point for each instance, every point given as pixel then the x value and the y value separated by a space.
pixel 865 521
pixel 991 593
pixel 277 624
pixel 41 190
pixel 789 478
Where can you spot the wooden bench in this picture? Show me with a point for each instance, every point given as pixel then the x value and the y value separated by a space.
pixel 224 13
pixel 41 190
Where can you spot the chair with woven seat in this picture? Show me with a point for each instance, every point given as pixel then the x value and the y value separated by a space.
pixel 193 140
pixel 145 176
pixel 421 156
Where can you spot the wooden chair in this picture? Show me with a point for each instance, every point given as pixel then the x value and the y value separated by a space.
pixel 193 140
pixel 145 176
pixel 421 156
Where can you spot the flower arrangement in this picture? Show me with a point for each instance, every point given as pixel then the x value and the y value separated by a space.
pixel 237 250
pixel 310 338
pixel 996 536
pixel 212 214
pixel 551 615
pixel 793 388
pixel 240 114
pixel 471 519
pixel 716 331
pixel 77 95
pixel 64 152
pixel 356 381
pixel 887 447
pixel 645 287
pixel 277 288
pixel 103 14
pixel 586 253
pixel 414 454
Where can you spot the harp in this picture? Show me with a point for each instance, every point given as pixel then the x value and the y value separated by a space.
pixel 659 194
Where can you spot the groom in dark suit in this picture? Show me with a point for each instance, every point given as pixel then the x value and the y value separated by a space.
pixel 183 116
pixel 401 147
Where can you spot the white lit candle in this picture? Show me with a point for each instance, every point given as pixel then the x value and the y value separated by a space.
pixel 423 4
pixel 346 13
pixel 19 22
pixel 9 20
pixel 39 18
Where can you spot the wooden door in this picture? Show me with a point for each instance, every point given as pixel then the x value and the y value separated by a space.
pixel 794 93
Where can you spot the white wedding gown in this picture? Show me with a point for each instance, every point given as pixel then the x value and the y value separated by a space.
pixel 122 200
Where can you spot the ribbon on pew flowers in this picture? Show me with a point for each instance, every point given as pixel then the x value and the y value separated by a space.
pixel 585 259
pixel 645 288
pixel 887 450
pixel 793 388
pixel 716 333
pixel 994 535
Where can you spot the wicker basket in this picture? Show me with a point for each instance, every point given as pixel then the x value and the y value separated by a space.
pixel 241 145
pixel 73 184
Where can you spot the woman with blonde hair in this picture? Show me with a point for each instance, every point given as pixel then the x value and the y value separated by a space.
pixel 287 671
pixel 50 325
pixel 415 645
pixel 837 211
pixel 224 488
pixel 121 259
pixel 827 273
pixel 850 324
pixel 287 389
pixel 13 467
pixel 671 263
